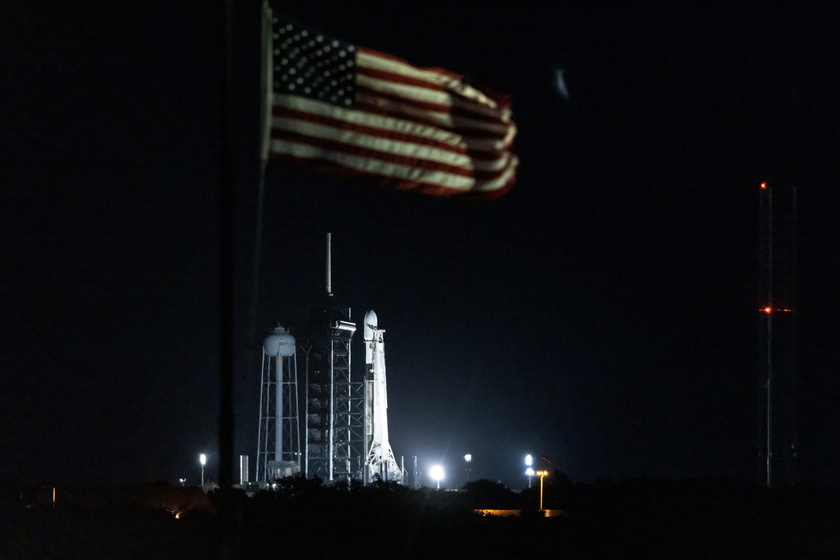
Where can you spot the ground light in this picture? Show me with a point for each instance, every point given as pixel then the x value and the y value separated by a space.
pixel 542 475
pixel 436 472
pixel 203 460
pixel 468 460
pixel 529 471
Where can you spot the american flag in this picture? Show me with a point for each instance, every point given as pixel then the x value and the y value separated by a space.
pixel 357 112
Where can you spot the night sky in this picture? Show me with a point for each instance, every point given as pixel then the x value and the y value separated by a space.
pixel 603 314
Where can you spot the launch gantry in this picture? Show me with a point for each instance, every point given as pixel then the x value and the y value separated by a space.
pixel 345 423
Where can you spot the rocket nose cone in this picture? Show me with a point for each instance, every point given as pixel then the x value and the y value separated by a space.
pixel 371 323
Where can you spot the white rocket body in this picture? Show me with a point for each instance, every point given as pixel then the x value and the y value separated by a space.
pixel 380 463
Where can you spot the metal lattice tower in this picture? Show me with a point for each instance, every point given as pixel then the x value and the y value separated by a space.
pixel 778 334
pixel 278 451
pixel 334 415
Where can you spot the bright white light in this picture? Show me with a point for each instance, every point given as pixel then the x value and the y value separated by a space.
pixel 529 471
pixel 467 457
pixel 529 460
pixel 436 472
pixel 202 459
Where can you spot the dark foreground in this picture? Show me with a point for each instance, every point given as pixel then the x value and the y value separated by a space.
pixel 634 519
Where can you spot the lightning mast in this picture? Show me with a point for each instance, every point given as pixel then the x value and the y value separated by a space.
pixel 380 463
pixel 778 330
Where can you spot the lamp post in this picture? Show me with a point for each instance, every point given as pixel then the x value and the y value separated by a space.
pixel 542 475
pixel 468 459
pixel 203 460
pixel 529 470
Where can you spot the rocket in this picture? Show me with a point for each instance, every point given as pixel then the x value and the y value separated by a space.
pixel 380 463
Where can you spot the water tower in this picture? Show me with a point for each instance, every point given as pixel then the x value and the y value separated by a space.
pixel 278 452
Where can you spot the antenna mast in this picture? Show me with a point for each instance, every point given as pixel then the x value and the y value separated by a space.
pixel 329 264
pixel 778 333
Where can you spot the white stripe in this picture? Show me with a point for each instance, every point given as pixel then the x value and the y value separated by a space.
pixel 410 93
pixel 373 166
pixel 457 94
pixel 444 120
pixel 368 58
pixel 388 145
pixel 399 147
pixel 501 181
pixel 402 126
pixel 406 91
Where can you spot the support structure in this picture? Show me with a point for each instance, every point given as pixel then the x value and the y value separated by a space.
pixel 778 334
pixel 334 416
pixel 278 452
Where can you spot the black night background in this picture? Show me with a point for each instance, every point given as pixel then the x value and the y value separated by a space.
pixel 603 314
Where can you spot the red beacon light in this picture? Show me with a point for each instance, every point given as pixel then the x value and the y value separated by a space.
pixel 768 310
pixel 764 186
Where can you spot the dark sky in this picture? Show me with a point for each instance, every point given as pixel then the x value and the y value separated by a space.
pixel 602 314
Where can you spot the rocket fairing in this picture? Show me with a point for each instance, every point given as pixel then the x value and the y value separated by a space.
pixel 380 462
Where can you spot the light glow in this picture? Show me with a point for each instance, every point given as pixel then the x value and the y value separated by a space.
pixel 542 475
pixel 436 472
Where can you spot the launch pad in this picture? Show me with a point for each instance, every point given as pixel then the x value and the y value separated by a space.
pixel 341 432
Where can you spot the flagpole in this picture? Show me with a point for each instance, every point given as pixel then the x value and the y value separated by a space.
pixel 266 80
pixel 226 271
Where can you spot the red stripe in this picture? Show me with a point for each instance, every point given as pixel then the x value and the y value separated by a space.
pixel 396 101
pixel 501 100
pixel 432 189
pixel 387 76
pixel 458 102
pixel 386 56
pixel 295 114
pixel 352 149
pixel 423 105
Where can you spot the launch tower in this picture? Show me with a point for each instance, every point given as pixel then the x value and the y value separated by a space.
pixel 334 415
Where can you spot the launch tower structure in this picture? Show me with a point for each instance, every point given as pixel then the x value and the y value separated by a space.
pixel 778 333
pixel 334 415
pixel 380 463
pixel 278 436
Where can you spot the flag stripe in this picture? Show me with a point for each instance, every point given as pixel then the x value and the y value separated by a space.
pixel 388 151
pixel 389 102
pixel 448 95
pixel 289 118
pixel 398 110
pixel 398 176
pixel 359 112
pixel 375 59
